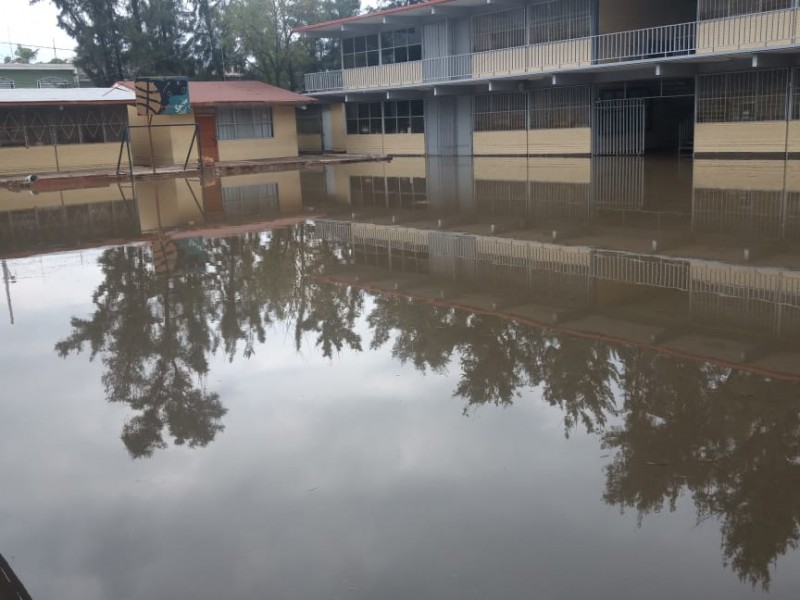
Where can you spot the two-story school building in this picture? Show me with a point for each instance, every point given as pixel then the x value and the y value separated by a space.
pixel 565 77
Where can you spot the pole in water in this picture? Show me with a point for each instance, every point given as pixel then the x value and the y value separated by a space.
pixel 7 280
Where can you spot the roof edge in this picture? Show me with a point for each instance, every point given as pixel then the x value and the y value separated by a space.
pixel 388 11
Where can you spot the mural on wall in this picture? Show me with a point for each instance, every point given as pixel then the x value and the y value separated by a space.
pixel 162 96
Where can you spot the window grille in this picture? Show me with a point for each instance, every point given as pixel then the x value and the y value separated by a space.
pixel 719 9
pixel 745 96
pixel 494 31
pixel 54 82
pixel 405 116
pixel 309 122
pixel 364 118
pixel 501 112
pixel 400 46
pixel 361 51
pixel 70 125
pixel 244 123
pixel 561 108
pixel 555 20
pixel 6 83
pixel 250 199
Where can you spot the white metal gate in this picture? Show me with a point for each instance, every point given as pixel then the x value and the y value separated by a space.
pixel 619 127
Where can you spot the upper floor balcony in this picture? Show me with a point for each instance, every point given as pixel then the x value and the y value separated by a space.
pixel 709 37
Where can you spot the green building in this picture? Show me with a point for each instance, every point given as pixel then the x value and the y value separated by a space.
pixel 18 75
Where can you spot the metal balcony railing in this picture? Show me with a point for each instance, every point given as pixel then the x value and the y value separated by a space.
pixel 743 32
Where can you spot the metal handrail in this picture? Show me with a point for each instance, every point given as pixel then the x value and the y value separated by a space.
pixel 750 31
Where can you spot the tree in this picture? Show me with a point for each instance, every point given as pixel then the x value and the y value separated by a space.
pixel 24 55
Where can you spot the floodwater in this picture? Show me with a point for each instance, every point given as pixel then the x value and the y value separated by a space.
pixel 499 378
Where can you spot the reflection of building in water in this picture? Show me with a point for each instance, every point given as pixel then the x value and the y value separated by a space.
pixel 69 217
pixel 750 199
pixel 10 585
pixel 651 297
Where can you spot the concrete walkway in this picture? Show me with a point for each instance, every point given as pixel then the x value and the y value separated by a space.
pixel 101 177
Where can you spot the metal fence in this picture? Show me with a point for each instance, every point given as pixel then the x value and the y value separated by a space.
pixel 639 269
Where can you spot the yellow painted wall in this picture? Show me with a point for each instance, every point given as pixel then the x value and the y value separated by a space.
pixel 560 170
pixel 564 54
pixel 309 142
pixel 339 128
pixel 364 144
pixel 396 143
pixel 408 73
pixel 284 143
pixel 49 159
pixel 170 144
pixel 764 30
pixel 500 142
pixel 755 137
pixel 560 141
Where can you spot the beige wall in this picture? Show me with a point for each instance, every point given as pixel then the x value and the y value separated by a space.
pixel 771 29
pixel 500 142
pixel 170 144
pixel 754 137
pixel 396 144
pixel 560 141
pixel 50 159
pixel 284 144
pixel 408 73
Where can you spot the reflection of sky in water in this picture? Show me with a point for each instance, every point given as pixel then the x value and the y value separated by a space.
pixel 355 477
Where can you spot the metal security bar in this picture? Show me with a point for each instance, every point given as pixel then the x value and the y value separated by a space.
pixel 619 128
pixel 501 112
pixel 743 96
pixel 326 81
pixel 561 108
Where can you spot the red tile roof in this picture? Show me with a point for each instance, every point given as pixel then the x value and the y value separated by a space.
pixel 211 93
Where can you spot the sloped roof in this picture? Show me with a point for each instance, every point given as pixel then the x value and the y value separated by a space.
pixel 377 17
pixel 60 96
pixel 211 93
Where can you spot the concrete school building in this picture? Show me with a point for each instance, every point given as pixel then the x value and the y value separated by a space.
pixel 235 120
pixel 565 77
pixel 61 129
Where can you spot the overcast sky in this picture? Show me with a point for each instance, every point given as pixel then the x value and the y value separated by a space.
pixel 32 26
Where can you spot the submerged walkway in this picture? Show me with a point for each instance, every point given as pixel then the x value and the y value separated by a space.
pixel 101 177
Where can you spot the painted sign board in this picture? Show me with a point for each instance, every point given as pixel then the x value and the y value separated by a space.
pixel 162 96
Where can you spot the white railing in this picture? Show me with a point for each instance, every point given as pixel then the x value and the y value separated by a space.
pixel 644 44
pixel 744 32
pixel 327 81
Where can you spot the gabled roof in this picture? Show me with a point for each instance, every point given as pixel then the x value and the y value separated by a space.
pixel 62 96
pixel 212 93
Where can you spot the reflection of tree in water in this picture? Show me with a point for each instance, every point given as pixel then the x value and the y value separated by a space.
pixel 155 334
pixel 728 438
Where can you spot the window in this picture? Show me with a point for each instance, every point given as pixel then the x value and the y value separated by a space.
pixel 361 51
pixel 746 96
pixel 309 121
pixel 560 108
pixel 555 20
pixel 400 46
pixel 54 82
pixel 364 118
pixel 719 9
pixel 501 112
pixel 244 123
pixel 498 30
pixel 6 83
pixel 406 116
pixel 62 125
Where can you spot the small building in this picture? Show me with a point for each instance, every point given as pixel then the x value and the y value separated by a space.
pixel 234 120
pixel 61 129
pixel 21 75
